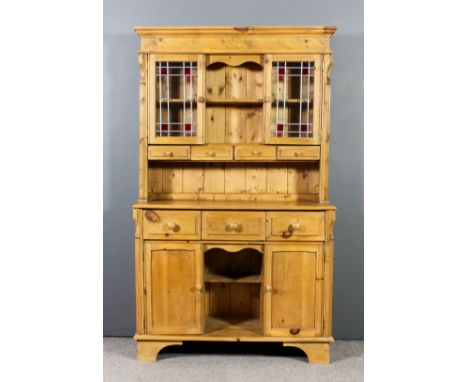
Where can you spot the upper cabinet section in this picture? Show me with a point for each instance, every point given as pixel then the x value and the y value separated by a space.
pixel 234 85
pixel 176 99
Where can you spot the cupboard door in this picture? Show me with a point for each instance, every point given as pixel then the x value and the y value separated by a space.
pixel 173 287
pixel 292 114
pixel 176 98
pixel 293 289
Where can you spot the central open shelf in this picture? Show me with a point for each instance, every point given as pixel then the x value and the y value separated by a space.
pixel 233 282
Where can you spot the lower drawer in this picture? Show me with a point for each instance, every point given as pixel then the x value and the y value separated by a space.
pixel 171 225
pixel 233 225
pixel 295 226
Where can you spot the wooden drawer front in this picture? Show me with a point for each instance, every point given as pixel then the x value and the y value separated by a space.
pixel 293 226
pixel 255 152
pixel 168 152
pixel 218 152
pixel 299 152
pixel 233 225
pixel 174 225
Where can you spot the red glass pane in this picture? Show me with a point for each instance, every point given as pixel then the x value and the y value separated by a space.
pixel 281 74
pixel 163 71
pixel 304 128
pixel 279 130
pixel 188 128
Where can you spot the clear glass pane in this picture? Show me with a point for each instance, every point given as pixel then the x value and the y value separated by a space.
pixel 176 94
pixel 293 95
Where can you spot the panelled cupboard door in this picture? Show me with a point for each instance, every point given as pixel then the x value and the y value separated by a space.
pixel 176 98
pixel 293 288
pixel 294 93
pixel 173 286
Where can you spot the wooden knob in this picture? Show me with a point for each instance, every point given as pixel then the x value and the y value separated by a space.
pixel 256 152
pixel 296 226
pixel 267 99
pixel 294 331
pixel 233 227
pixel 268 288
pixel 298 153
pixel 201 99
pixel 198 287
pixel 172 226
pixel 168 154
pixel 211 153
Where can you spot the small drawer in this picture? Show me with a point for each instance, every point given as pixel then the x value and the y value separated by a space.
pixel 230 225
pixel 212 152
pixel 255 152
pixel 295 226
pixel 175 225
pixel 168 152
pixel 299 152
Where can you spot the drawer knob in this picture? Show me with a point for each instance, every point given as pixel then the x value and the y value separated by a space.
pixel 168 154
pixel 173 226
pixel 296 226
pixel 298 153
pixel 233 227
pixel 268 288
pixel 198 287
pixel 211 153
pixel 256 152
pixel 294 331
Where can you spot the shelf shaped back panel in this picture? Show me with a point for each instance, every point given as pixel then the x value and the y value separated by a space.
pixel 239 119
pixel 233 181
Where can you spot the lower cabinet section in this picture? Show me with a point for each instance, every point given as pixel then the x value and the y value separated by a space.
pixel 234 290
pixel 173 288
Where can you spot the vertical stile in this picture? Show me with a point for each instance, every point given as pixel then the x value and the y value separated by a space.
pixel 277 98
pixel 182 79
pixel 308 95
pixel 191 99
pixel 160 99
pixel 168 97
pixel 300 103
pixel 285 128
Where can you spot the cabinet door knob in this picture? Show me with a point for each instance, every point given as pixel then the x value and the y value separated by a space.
pixel 168 153
pixel 198 287
pixel 201 99
pixel 256 152
pixel 294 331
pixel 298 153
pixel 268 288
pixel 211 153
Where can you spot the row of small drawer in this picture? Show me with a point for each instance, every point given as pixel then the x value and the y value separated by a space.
pixel 230 225
pixel 229 152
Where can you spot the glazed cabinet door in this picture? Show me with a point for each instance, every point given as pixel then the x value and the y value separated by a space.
pixel 292 114
pixel 173 287
pixel 293 288
pixel 176 98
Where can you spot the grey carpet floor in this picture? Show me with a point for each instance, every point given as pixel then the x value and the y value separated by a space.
pixel 231 362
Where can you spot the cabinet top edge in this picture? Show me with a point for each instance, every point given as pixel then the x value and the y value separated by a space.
pixel 143 31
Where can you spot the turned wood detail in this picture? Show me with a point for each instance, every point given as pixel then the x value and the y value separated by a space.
pixel 148 350
pixel 316 353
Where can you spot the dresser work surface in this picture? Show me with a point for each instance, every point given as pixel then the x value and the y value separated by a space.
pixel 234 229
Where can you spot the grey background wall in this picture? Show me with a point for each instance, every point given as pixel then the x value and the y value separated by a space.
pixel 121 136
